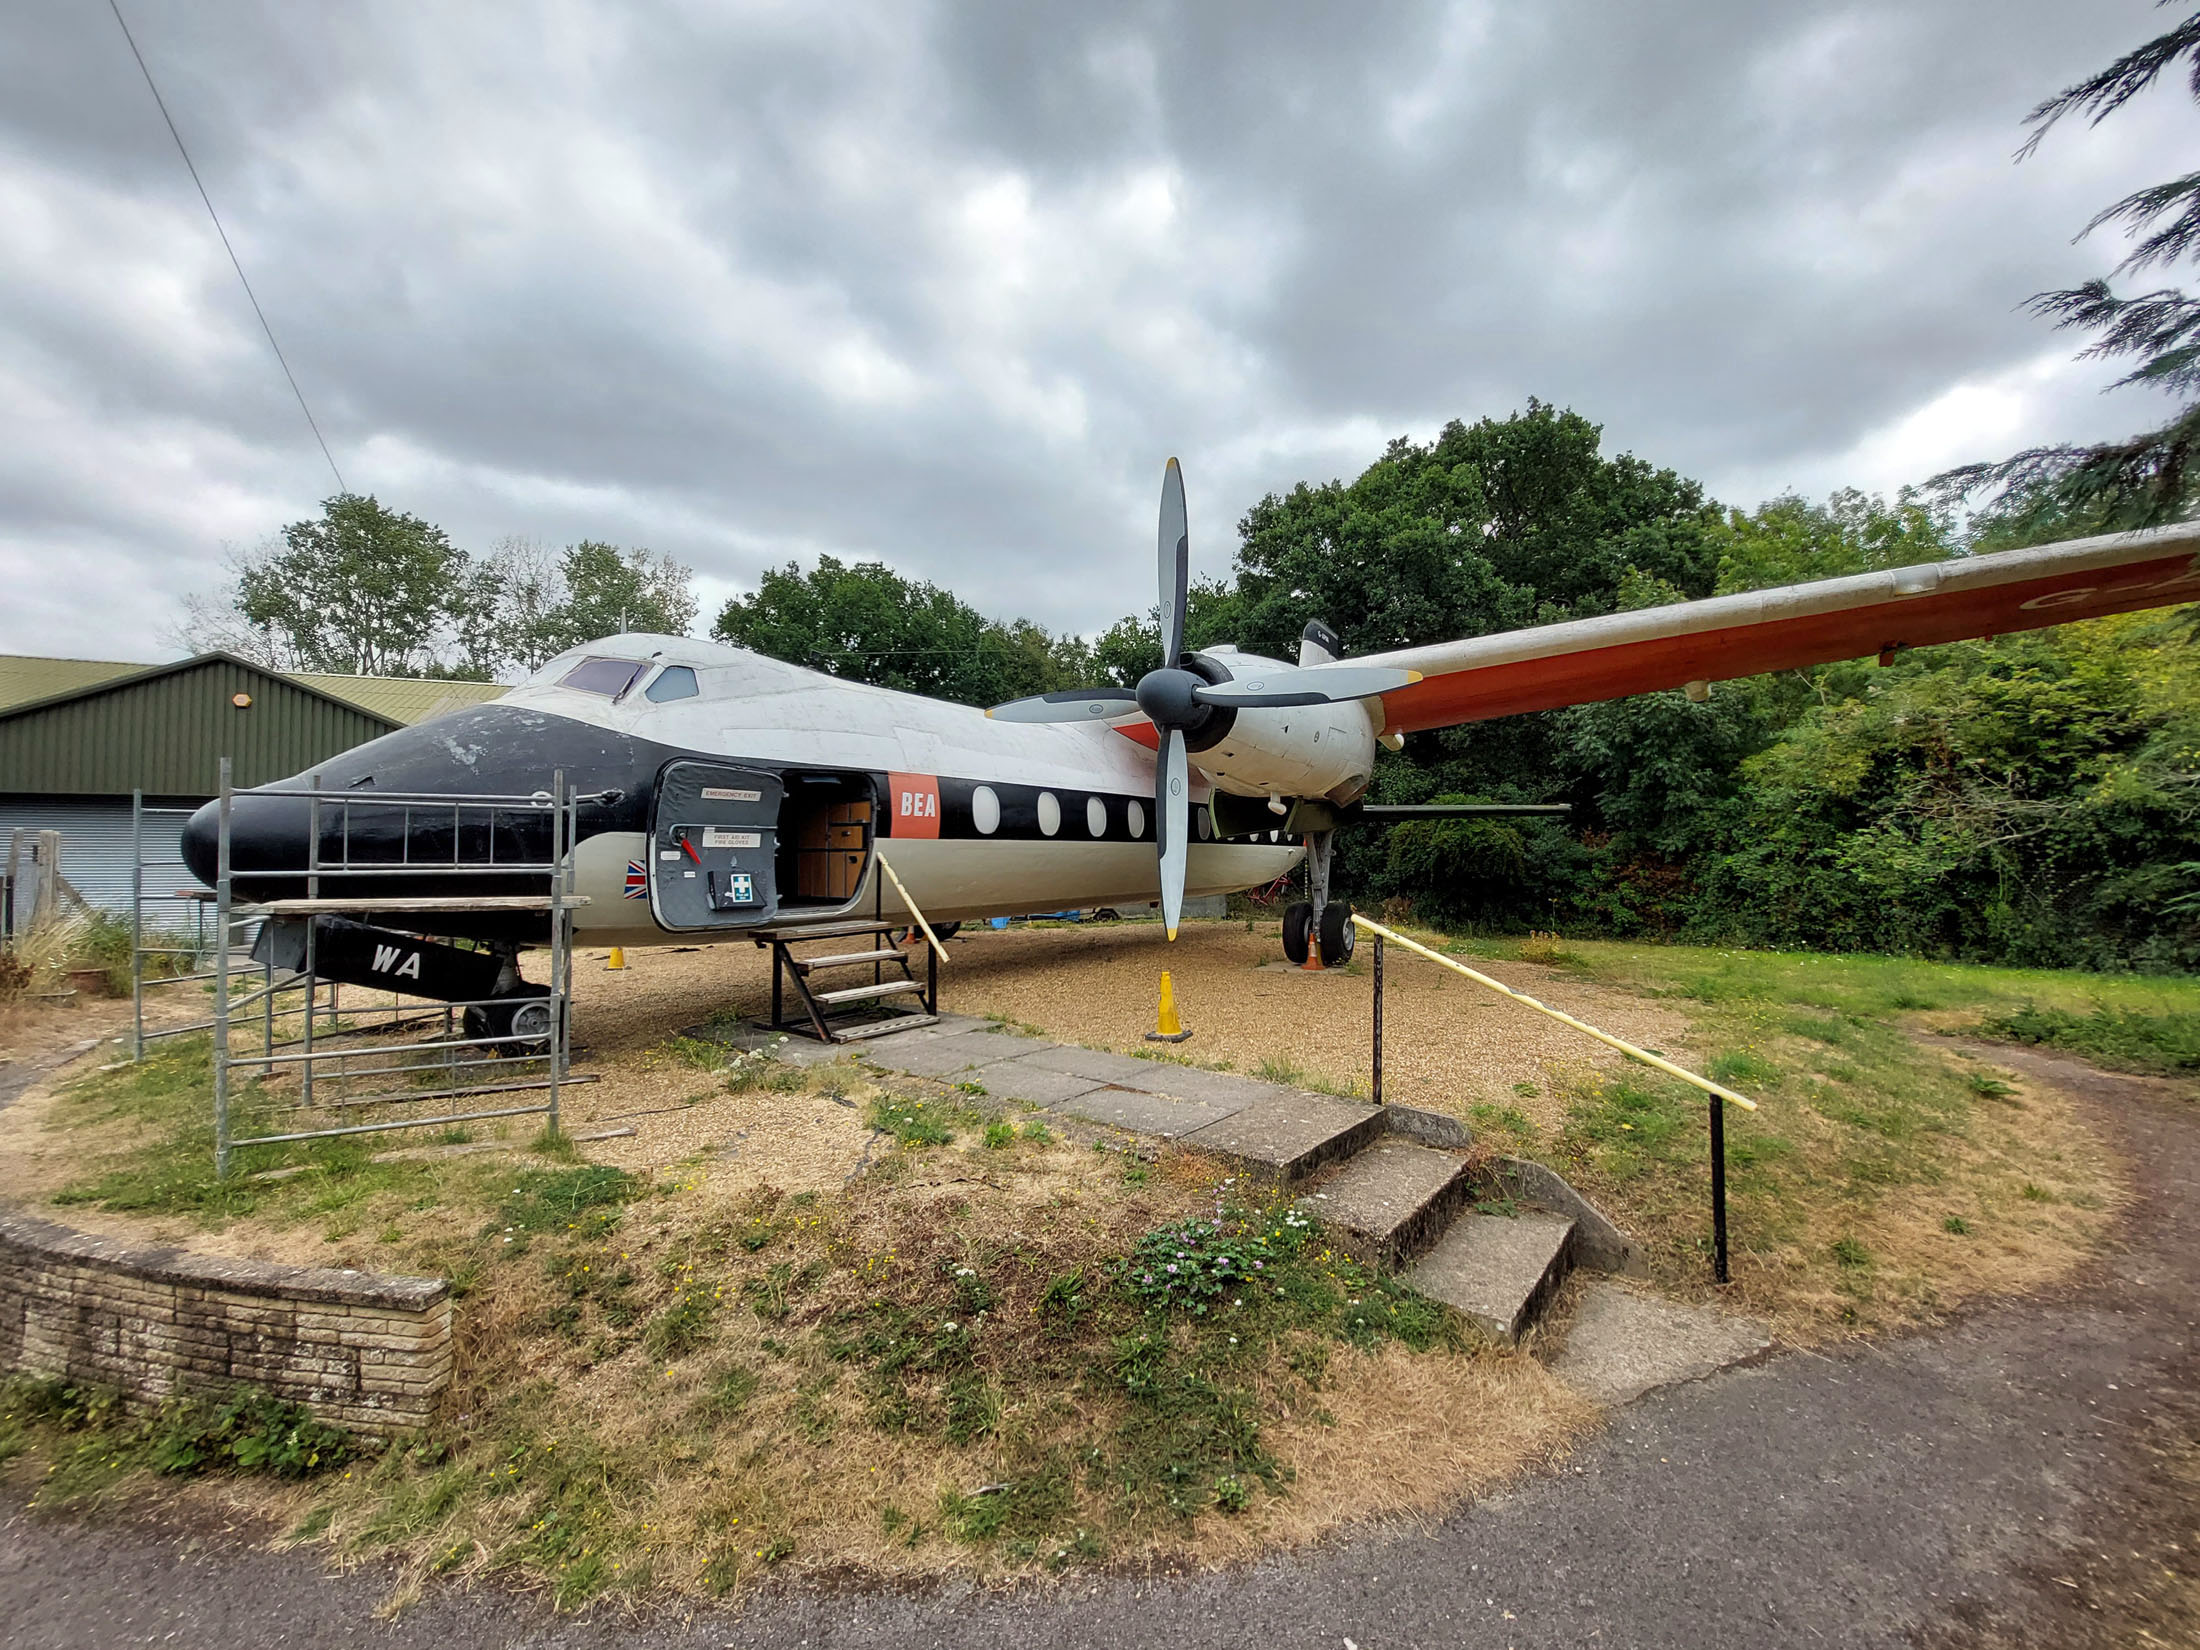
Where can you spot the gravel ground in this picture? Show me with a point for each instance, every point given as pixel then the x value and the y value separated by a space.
pixel 1448 1043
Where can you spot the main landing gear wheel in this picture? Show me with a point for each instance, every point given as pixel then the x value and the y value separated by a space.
pixel 527 1017
pixel 1338 935
pixel 1298 927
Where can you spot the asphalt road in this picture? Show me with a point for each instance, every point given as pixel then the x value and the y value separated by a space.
pixel 2011 1479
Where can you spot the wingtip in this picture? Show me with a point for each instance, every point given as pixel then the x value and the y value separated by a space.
pixel 1172 936
pixel 1414 674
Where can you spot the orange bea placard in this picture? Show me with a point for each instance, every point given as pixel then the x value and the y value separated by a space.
pixel 916 804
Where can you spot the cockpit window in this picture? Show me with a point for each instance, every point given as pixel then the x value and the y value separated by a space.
pixel 609 677
pixel 673 682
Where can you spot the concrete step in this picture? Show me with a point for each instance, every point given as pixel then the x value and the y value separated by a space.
pixel 1390 1202
pixel 1496 1269
pixel 1286 1135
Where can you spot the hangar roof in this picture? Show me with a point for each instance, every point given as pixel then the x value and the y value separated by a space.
pixel 105 729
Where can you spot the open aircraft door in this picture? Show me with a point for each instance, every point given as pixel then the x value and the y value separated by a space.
pixel 714 846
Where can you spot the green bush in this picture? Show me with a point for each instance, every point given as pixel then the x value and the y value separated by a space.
pixel 2126 1037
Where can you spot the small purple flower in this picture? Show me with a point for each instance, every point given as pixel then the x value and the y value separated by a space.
pixel 1256 1265
pixel 1172 1268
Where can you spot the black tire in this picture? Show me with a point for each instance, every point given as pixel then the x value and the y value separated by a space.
pixel 1338 935
pixel 528 1015
pixel 1298 924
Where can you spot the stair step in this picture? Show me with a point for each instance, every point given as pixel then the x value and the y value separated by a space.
pixel 1391 1201
pixel 883 1028
pixel 826 931
pixel 861 993
pixel 1286 1135
pixel 1495 1269
pixel 806 965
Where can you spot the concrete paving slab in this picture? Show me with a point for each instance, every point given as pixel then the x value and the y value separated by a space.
pixel 940 1056
pixel 1622 1344
pixel 1289 1134
pixel 1097 1064
pixel 1221 1088
pixel 1035 1085
pixel 1495 1269
pixel 1391 1200
pixel 1137 1111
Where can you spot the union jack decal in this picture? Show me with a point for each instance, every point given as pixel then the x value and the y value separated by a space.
pixel 637 880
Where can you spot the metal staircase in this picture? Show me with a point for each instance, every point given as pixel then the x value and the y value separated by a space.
pixel 846 1014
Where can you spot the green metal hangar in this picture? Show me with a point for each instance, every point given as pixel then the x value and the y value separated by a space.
pixel 79 736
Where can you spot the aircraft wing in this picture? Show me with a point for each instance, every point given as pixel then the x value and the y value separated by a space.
pixel 1723 637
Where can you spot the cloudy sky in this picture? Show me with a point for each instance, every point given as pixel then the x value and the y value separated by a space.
pixel 943 285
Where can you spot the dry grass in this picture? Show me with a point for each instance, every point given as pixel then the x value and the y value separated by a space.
pixel 696 1390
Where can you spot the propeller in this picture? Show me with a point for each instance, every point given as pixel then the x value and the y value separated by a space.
pixel 1179 702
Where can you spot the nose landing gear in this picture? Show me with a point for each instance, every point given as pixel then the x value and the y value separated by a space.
pixel 1317 927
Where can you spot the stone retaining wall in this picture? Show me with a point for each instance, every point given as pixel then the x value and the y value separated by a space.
pixel 363 1351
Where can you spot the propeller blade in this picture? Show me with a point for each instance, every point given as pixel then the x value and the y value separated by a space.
pixel 1098 704
pixel 1176 564
pixel 1172 813
pixel 1319 685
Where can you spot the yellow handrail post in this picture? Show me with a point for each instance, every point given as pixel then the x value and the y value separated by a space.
pixel 938 949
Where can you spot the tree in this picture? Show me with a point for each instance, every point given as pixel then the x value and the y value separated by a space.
pixel 1493 525
pixel 543 604
pixel 2150 478
pixel 869 624
pixel 364 590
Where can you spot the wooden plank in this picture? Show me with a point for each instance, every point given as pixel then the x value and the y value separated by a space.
pixel 842 959
pixel 861 993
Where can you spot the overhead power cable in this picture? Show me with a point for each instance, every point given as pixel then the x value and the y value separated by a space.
pixel 161 103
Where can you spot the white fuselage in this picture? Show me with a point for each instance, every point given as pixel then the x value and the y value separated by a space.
pixel 748 708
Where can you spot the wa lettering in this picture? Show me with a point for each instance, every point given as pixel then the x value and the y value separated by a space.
pixel 386 955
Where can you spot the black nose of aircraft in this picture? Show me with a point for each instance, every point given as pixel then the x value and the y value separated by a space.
pixel 267 835
pixel 383 804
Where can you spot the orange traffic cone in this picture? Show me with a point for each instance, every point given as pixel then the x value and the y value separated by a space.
pixel 1169 1029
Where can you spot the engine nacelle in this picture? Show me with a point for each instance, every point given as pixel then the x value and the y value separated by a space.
pixel 1307 750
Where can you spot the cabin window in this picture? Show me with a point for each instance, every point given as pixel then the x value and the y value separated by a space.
pixel 1050 813
pixel 985 810
pixel 609 677
pixel 673 682
pixel 1096 816
pixel 1134 815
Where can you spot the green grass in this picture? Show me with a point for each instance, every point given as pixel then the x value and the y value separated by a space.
pixel 1873 987
pixel 1171 1426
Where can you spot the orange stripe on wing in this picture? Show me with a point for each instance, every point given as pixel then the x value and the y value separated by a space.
pixel 1592 674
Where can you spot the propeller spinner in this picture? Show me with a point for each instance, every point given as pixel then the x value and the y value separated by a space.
pixel 1178 702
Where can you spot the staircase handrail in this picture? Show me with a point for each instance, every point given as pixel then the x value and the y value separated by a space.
pixel 1655 1062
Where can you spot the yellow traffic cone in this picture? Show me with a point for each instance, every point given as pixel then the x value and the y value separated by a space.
pixel 1170 1029
pixel 617 959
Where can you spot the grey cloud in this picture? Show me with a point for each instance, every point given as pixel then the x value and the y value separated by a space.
pixel 945 285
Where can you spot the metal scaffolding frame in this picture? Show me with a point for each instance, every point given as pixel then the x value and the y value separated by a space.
pixel 330 1059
